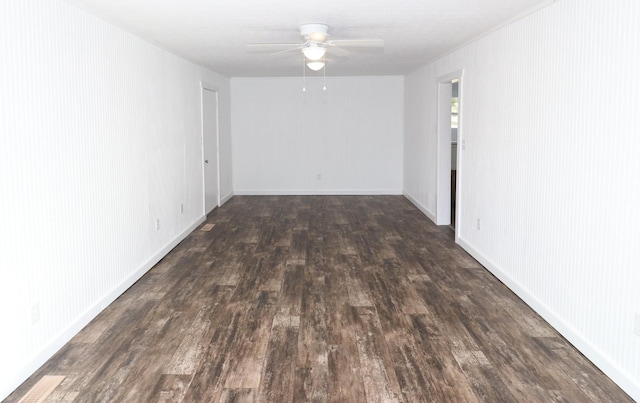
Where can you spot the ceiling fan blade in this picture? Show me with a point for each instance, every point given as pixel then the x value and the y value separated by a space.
pixel 270 47
pixel 298 47
pixel 338 52
pixel 357 43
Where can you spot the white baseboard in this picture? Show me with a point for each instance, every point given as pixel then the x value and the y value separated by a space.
pixel 316 192
pixel 225 199
pixel 420 207
pixel 66 335
pixel 621 377
pixel 135 276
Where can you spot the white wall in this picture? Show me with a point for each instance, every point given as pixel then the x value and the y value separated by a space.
pixel 100 135
pixel 420 140
pixel 345 140
pixel 551 168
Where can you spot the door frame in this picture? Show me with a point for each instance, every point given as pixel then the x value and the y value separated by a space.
pixel 443 164
pixel 205 86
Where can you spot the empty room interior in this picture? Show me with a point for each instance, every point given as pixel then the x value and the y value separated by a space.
pixel 338 201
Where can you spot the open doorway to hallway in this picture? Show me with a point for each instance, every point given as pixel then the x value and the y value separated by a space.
pixel 454 147
pixel 448 204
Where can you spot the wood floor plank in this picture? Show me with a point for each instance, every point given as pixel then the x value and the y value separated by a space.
pixel 279 369
pixel 189 352
pixel 250 346
pixel 170 388
pixel 412 370
pixel 104 382
pixel 207 382
pixel 318 299
pixel 237 396
pixel 446 380
pixel 312 351
pixel 345 377
pixel 376 366
pixel 290 299
pixel 345 382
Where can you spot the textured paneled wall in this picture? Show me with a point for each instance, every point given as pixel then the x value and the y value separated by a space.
pixel 100 136
pixel 420 142
pixel 346 140
pixel 551 168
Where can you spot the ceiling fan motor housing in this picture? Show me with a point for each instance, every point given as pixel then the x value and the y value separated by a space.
pixel 314 32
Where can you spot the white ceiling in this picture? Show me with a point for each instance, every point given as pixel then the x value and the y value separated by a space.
pixel 214 33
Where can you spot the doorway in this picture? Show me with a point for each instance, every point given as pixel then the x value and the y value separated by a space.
pixel 210 145
pixel 455 114
pixel 448 205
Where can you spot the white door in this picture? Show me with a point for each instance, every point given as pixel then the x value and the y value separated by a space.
pixel 210 149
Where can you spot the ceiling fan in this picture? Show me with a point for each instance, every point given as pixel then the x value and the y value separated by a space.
pixel 316 45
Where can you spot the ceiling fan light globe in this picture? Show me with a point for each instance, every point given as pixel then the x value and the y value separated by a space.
pixel 315 66
pixel 314 52
pixel 318 37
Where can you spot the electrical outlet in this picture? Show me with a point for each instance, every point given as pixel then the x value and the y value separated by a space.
pixel 35 313
pixel 478 224
pixel 157 224
pixel 636 328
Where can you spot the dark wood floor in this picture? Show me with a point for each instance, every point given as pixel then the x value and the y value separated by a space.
pixel 346 299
